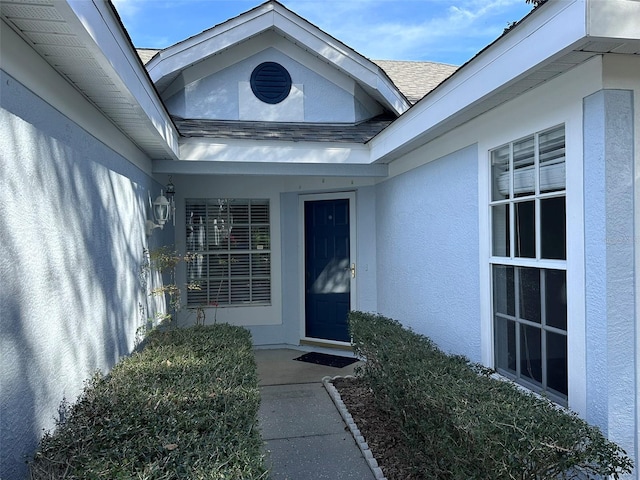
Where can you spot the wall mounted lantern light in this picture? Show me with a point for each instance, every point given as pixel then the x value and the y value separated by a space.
pixel 163 209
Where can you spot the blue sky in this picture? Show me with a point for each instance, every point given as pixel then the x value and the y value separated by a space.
pixel 448 31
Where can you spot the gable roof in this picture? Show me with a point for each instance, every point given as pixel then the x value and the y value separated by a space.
pixel 166 65
pixel 413 78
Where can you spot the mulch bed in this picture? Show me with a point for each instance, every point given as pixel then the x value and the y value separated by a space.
pixel 380 431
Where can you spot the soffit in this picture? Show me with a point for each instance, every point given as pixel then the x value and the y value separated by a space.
pixel 50 28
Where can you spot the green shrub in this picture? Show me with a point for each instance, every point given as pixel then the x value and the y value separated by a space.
pixel 467 425
pixel 186 406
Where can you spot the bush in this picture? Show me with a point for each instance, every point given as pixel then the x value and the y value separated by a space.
pixel 466 424
pixel 186 406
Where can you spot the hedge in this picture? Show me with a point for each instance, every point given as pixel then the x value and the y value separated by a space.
pixel 186 406
pixel 463 423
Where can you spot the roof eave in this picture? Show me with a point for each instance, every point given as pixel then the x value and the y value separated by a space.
pixel 550 31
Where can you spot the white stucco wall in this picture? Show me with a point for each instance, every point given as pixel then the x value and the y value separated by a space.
pixel 227 95
pixel 72 244
pixel 610 249
pixel 612 163
pixel 427 243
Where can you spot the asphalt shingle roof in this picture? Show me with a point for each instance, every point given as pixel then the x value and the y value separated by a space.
pixel 292 132
pixel 415 79
pixel 146 54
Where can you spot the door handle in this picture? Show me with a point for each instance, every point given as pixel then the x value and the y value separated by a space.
pixel 353 270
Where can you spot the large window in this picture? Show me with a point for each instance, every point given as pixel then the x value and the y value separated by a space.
pixel 231 243
pixel 528 261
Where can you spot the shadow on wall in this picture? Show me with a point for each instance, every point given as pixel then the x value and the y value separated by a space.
pixel 72 237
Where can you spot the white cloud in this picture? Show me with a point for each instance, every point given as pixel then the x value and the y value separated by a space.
pixel 414 29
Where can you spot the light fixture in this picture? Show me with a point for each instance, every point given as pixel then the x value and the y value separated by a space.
pixel 171 191
pixel 162 209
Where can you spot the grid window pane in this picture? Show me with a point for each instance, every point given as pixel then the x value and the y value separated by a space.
pixel 503 288
pixel 553 229
pixel 260 239
pixel 500 175
pixel 501 230
pixel 506 354
pixel 529 294
pixel 525 234
pixel 260 265
pixel 231 239
pixel 552 160
pixel 524 180
pixel 556 298
pixel 557 362
pixel 239 238
pixel 531 353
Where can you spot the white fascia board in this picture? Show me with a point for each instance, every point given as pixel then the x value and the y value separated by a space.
pixel 362 70
pixel 255 151
pixel 204 45
pixel 617 19
pixel 549 31
pixel 117 57
pixel 261 169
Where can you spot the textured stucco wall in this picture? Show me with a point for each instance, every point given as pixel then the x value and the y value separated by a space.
pixel 427 243
pixel 609 265
pixel 217 96
pixel 71 247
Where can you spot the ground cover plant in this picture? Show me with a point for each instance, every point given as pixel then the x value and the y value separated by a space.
pixel 458 422
pixel 186 406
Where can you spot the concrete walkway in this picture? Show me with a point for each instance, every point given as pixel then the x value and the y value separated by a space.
pixel 305 436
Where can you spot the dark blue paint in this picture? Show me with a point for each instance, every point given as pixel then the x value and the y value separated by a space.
pixel 327 275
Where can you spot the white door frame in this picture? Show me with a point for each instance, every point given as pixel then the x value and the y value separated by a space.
pixel 302 199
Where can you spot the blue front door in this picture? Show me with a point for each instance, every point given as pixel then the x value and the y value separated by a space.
pixel 327 269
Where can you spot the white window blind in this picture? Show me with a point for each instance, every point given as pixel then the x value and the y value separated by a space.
pixel 231 243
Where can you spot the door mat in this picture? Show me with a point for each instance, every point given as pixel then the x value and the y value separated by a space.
pixel 327 360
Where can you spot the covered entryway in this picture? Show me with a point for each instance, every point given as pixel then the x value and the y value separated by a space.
pixel 329 266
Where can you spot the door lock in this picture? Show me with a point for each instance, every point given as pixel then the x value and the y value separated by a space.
pixel 353 270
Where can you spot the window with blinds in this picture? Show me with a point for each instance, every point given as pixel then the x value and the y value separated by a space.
pixel 528 261
pixel 230 242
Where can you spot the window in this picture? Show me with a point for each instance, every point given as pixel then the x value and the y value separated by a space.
pixel 528 261
pixel 231 242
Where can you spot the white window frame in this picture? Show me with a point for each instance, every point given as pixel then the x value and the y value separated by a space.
pixel 537 263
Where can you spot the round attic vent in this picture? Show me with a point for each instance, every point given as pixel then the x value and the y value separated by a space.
pixel 270 82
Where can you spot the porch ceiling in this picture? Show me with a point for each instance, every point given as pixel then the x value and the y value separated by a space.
pixel 56 32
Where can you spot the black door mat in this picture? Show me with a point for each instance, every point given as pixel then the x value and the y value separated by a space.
pixel 327 360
